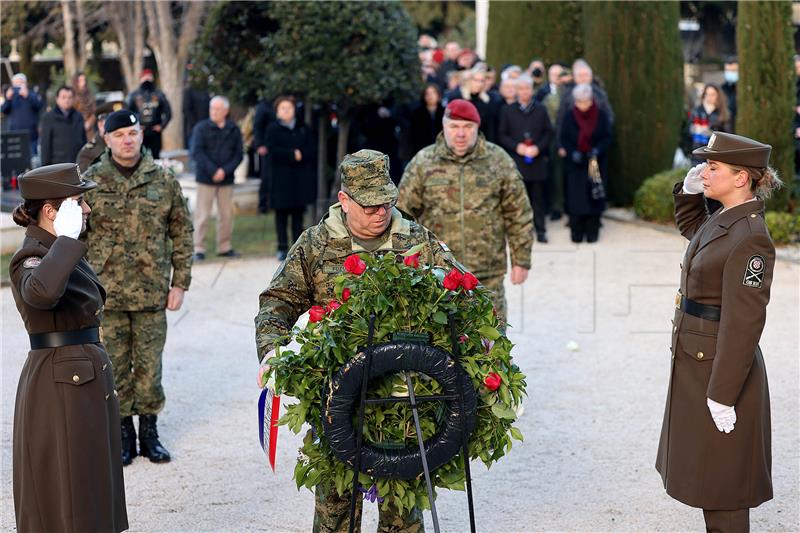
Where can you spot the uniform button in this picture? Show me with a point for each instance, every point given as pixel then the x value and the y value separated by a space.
pixel 752 215
pixel 699 355
pixel 76 378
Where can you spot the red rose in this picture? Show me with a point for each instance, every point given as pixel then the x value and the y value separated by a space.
pixel 345 294
pixel 411 261
pixel 452 281
pixel 332 306
pixel 492 381
pixel 355 265
pixel 469 282
pixel 316 313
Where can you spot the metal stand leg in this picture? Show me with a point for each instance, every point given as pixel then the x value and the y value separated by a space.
pixel 360 425
pixel 464 444
pixel 428 485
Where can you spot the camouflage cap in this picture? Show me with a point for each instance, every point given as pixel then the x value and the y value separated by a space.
pixel 365 178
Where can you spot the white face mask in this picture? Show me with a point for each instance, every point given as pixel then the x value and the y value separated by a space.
pixel 731 76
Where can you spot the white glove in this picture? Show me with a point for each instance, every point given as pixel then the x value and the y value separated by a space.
pixel 724 416
pixel 693 182
pixel 69 219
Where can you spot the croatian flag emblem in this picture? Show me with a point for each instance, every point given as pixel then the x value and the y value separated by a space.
pixel 269 406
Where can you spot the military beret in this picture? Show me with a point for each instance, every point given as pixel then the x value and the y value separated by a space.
pixel 53 182
pixel 104 109
pixel 462 110
pixel 120 119
pixel 365 178
pixel 735 150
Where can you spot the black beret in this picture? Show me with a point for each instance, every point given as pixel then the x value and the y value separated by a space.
pixel 120 119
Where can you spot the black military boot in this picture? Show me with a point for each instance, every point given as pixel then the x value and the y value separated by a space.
pixel 128 440
pixel 149 446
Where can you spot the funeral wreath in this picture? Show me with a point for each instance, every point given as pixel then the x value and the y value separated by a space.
pixel 406 297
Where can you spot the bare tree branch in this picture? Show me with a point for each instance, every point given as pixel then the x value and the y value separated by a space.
pixel 68 50
pixel 83 34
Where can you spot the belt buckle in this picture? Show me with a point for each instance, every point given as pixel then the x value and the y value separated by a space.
pixel 678 300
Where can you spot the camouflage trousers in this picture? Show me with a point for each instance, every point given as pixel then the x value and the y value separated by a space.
pixel 332 515
pixel 495 284
pixel 135 341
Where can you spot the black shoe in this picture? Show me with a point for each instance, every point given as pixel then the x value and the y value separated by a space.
pixel 230 253
pixel 541 237
pixel 199 256
pixel 128 440
pixel 281 255
pixel 555 215
pixel 149 445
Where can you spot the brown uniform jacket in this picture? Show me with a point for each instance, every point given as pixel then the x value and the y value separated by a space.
pixel 728 263
pixel 67 459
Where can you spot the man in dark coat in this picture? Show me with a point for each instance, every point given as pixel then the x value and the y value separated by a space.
pixel 21 108
pixel 217 151
pixel 63 132
pixel 153 111
pixel 525 132
pixel 729 88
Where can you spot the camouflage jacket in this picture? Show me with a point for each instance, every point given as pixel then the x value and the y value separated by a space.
pixel 473 203
pixel 139 229
pixel 307 275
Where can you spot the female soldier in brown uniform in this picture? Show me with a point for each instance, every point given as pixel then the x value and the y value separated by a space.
pixel 715 450
pixel 67 467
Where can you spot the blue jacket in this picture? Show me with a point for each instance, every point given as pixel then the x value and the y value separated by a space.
pixel 213 147
pixel 23 113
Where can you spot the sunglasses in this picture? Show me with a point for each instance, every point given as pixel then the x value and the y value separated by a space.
pixel 373 209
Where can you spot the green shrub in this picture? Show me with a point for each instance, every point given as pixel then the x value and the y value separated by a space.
pixel 783 227
pixel 653 200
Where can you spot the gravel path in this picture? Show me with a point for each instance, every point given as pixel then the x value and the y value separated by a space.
pixel 591 423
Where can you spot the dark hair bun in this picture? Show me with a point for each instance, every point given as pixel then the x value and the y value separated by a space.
pixel 21 216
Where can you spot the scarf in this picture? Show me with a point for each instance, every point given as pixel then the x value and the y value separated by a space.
pixel 587 123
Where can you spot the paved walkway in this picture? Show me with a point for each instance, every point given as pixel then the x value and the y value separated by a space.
pixel 591 424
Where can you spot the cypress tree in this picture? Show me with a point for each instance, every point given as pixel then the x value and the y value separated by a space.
pixel 520 31
pixel 765 92
pixel 635 49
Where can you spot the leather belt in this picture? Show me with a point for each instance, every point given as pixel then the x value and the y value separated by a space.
pixel 55 339
pixel 690 307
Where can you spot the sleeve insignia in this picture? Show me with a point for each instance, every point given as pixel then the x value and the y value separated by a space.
pixel 31 262
pixel 754 272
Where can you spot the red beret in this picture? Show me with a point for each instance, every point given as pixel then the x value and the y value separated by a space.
pixel 438 55
pixel 462 110
pixel 145 72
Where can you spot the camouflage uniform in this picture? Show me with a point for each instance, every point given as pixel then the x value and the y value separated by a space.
pixel 139 230
pixel 306 278
pixel 474 203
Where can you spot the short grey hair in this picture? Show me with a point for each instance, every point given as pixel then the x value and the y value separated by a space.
pixel 524 79
pixel 582 92
pixel 581 64
pixel 220 98
pixel 513 69
pixel 20 76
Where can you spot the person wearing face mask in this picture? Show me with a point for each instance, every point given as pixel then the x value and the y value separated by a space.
pixel 153 111
pixel 714 452
pixel 711 114
pixel 729 88
pixel 66 443
pixel 536 71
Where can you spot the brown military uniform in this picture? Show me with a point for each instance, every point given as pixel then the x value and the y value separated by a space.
pixel 91 152
pixel 728 264
pixel 67 469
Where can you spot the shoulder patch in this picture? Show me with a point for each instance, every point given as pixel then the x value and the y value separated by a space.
pixel 31 262
pixel 754 272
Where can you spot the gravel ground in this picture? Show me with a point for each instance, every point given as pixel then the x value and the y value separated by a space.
pixel 591 423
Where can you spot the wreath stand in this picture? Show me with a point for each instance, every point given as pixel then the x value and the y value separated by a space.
pixel 412 400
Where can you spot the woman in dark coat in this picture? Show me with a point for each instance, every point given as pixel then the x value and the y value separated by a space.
pixel 67 458
pixel 291 188
pixel 715 450
pixel 711 114
pixel 426 119
pixel 585 135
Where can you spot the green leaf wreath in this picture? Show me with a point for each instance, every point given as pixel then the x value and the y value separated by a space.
pixel 405 296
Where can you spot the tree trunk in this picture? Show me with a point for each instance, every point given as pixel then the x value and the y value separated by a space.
pixel 171 52
pixel 83 35
pixel 131 51
pixel 68 50
pixel 322 162
pixel 345 120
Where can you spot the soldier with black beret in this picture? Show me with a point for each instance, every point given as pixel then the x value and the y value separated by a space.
pixel 66 459
pixel 715 449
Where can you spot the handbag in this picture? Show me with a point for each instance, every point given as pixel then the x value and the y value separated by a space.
pixel 598 191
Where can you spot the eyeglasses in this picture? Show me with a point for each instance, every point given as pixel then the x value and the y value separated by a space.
pixel 373 209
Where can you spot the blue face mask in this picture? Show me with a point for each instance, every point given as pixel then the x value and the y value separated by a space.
pixel 731 76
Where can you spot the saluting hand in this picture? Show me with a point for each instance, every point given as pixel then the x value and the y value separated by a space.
pixel 69 219
pixel 693 182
